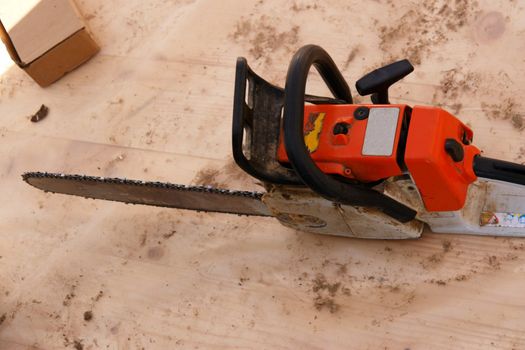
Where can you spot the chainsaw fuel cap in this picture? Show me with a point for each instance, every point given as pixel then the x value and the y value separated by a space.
pixel 361 113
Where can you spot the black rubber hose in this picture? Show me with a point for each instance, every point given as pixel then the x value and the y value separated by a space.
pixel 325 185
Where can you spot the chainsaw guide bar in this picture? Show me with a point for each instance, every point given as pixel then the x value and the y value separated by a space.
pixel 160 194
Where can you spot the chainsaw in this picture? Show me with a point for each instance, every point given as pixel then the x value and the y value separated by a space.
pixel 329 166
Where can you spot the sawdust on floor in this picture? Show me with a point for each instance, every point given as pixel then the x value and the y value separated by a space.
pixel 264 39
pixel 508 110
pixel 419 29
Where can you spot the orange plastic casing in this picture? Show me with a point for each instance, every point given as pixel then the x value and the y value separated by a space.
pixel 342 154
pixel 442 183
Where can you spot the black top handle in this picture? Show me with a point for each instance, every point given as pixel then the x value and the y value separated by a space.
pixel 293 119
pixel 379 81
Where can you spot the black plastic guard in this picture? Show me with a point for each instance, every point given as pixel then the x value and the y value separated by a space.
pixel 257 114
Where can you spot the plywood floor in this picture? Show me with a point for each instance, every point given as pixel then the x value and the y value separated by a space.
pixel 156 104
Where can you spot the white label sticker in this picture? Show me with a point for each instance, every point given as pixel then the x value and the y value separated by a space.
pixel 380 133
pixel 491 219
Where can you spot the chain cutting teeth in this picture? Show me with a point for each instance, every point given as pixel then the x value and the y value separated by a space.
pixel 154 193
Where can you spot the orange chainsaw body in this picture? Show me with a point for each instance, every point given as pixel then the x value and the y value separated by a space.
pixel 342 144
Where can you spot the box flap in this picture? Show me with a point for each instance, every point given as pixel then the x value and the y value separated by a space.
pixel 35 26
pixel 9 45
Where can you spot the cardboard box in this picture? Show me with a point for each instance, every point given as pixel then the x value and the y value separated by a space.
pixel 46 38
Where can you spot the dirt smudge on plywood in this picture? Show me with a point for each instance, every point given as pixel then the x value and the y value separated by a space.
pixel 325 293
pixel 507 110
pixel 207 177
pixel 421 29
pixel 489 27
pixel 265 40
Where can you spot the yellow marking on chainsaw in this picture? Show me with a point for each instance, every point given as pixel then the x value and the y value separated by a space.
pixel 313 131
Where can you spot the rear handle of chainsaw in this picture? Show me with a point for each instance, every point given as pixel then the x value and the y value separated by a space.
pixel 501 170
pixel 298 155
